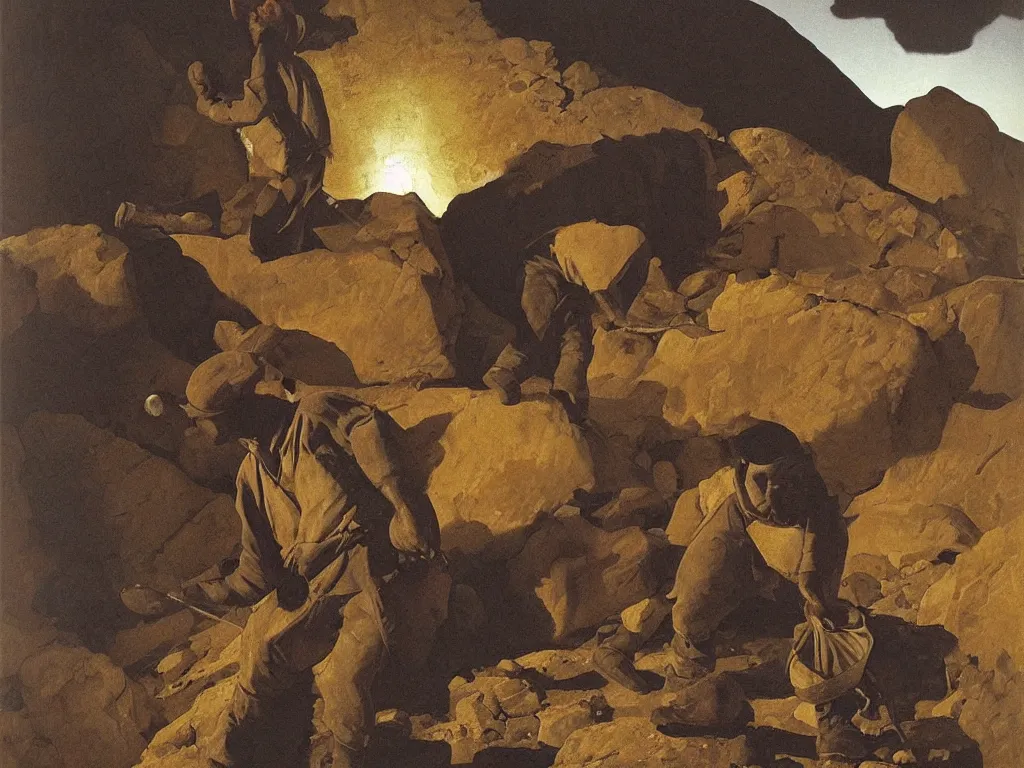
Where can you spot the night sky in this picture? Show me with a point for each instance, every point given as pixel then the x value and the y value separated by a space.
pixel 872 50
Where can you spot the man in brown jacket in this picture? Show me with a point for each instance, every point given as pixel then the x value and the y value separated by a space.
pixel 324 517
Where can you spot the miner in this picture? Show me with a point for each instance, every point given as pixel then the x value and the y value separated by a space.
pixel 325 518
pixel 569 276
pixel 779 520
pixel 286 129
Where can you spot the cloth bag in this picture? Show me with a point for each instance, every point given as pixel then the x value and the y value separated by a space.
pixel 827 662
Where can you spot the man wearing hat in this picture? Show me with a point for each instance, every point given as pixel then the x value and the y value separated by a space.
pixel 324 517
pixel 779 517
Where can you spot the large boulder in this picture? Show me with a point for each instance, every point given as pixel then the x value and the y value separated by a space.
pixel 114 514
pixel 950 152
pixel 985 319
pixel 840 376
pixel 979 598
pixel 87 708
pixel 80 274
pixel 503 468
pixel 797 209
pixel 974 469
pixel 388 301
pixel 572 575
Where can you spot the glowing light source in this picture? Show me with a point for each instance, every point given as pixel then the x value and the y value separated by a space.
pixel 397 177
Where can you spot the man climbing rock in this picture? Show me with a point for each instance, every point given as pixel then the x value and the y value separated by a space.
pixel 779 519
pixel 286 129
pixel 325 518
pixel 571 273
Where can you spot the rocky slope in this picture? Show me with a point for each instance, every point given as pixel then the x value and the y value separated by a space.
pixel 879 321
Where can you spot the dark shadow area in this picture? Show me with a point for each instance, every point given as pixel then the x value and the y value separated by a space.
pixel 508 757
pixel 181 304
pixel 931 26
pixel 655 183
pixel 772 741
pixel 742 64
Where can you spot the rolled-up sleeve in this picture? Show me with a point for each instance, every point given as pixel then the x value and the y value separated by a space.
pixel 254 103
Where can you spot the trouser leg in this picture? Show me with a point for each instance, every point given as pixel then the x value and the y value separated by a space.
pixel 542 290
pixel 346 678
pixel 713 578
pixel 575 352
pixel 278 648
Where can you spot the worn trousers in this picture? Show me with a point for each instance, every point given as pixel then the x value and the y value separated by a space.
pixel 553 332
pixel 341 637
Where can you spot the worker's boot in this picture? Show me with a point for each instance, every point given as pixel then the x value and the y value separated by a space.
pixel 505 383
pixel 192 223
pixel 838 738
pixel 614 660
pixel 688 663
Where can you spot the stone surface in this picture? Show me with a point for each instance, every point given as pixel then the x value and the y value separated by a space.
pixel 572 575
pixel 503 468
pixel 632 741
pixel 989 321
pixel 557 723
pixel 978 599
pixel 839 376
pixel 149 640
pixel 80 274
pixel 972 469
pixel 388 302
pixel 919 532
pixel 948 151
pixel 86 707
pixel 115 515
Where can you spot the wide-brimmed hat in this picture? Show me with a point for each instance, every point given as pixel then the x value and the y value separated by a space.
pixel 222 382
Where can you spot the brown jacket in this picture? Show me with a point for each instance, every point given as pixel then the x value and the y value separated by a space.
pixel 310 494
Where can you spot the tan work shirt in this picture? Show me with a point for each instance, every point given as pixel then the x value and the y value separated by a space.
pixel 304 496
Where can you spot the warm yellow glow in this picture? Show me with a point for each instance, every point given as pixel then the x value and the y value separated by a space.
pixel 396 176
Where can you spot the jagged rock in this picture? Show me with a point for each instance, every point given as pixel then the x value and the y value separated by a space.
pixel 86 707
pixel 992 714
pixel 183 742
pixel 989 320
pixel 503 468
pixel 389 302
pixel 580 575
pixel 978 599
pixel 633 506
pixel 116 515
pixel 973 469
pixel 80 274
pixel 889 289
pixel 861 589
pixel 148 639
pixel 474 713
pixel 921 532
pixel 619 358
pixel 840 376
pixel 580 78
pixel 632 111
pixel 948 151
pixel 558 722
pixel 902 597
pixel 631 741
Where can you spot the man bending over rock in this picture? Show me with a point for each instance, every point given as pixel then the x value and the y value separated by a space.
pixel 779 517
pixel 324 516
pixel 560 286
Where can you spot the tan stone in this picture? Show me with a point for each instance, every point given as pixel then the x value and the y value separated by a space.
pixel 389 302
pixel 580 78
pixel 948 151
pixel 503 468
pixel 918 533
pixel 841 377
pixel 979 598
pixel 148 639
pixel 631 741
pixel 80 274
pixel 990 319
pixel 581 575
pixel 558 722
pixel 973 469
pixel 86 707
